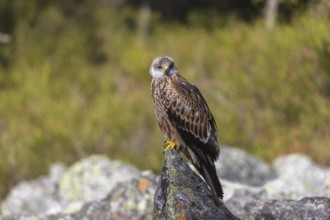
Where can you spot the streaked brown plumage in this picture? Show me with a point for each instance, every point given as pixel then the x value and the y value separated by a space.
pixel 185 119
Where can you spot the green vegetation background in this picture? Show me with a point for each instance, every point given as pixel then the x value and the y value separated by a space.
pixel 71 86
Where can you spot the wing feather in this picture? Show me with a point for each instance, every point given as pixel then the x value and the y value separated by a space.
pixel 189 111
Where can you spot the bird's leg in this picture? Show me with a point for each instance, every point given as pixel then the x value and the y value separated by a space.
pixel 169 145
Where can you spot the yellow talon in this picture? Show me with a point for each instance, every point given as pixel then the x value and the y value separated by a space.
pixel 169 145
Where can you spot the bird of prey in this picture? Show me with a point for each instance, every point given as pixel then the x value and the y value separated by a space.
pixel 185 120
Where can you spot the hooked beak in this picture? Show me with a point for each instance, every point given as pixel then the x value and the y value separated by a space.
pixel 170 71
pixel 165 68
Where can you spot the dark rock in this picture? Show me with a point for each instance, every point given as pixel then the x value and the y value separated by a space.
pixel 314 208
pixel 238 166
pixel 182 194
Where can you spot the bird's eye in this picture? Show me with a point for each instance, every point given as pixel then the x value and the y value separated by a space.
pixel 159 67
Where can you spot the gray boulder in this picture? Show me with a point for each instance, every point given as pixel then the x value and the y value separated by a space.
pixel 317 208
pixel 128 200
pixel 238 166
pixel 298 177
pixel 92 188
pixel 97 188
pixel 91 179
pixel 132 199
pixel 35 196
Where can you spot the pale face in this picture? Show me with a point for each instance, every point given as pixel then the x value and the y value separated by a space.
pixel 162 66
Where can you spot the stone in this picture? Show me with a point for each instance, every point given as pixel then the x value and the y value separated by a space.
pixel 128 200
pixel 182 194
pixel 97 188
pixel 92 178
pixel 128 194
pixel 238 166
pixel 298 177
pixel 316 208
pixel 35 196
pixel 131 199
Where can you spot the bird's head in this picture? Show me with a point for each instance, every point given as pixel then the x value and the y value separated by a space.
pixel 163 66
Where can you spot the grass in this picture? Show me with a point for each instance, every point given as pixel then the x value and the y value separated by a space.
pixel 75 89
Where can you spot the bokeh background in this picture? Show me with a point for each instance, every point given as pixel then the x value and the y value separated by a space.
pixel 74 77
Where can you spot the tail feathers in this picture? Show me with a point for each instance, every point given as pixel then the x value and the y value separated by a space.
pixel 205 166
pixel 209 174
